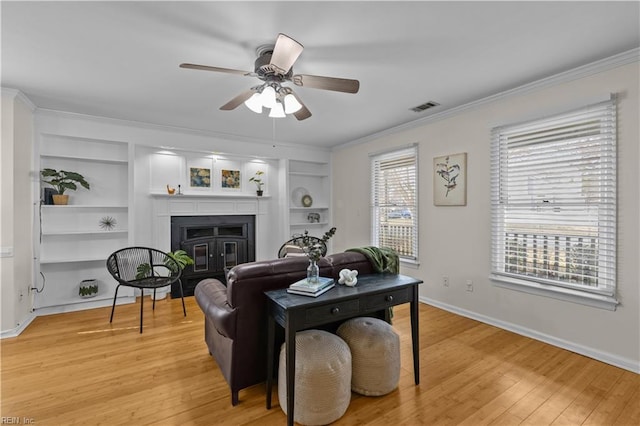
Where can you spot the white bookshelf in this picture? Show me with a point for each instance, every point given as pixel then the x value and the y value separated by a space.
pixel 72 244
pixel 314 178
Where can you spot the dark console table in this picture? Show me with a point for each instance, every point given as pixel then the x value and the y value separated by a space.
pixel 373 293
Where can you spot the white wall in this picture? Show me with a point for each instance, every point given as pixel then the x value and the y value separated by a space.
pixel 455 241
pixel 16 212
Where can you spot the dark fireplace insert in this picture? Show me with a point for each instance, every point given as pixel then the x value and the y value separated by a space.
pixel 216 244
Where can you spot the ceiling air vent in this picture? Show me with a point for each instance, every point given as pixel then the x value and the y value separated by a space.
pixel 425 106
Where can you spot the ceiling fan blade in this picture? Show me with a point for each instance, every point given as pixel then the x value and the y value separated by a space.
pixel 303 113
pixel 216 69
pixel 238 100
pixel 326 83
pixel 285 53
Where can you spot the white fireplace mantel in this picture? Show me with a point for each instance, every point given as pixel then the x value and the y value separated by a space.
pixel 165 206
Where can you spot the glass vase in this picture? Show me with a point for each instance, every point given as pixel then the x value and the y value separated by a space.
pixel 313 272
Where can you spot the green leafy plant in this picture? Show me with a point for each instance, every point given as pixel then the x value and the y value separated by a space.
pixel 143 271
pixel 178 257
pixel 62 180
pixel 181 258
pixel 257 179
pixel 311 247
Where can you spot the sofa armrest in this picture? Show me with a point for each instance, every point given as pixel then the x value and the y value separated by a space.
pixel 211 296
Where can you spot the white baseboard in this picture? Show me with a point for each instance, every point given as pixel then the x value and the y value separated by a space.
pixel 49 310
pixel 14 332
pixel 81 306
pixel 615 360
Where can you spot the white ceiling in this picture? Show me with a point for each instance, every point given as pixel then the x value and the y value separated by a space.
pixel 120 59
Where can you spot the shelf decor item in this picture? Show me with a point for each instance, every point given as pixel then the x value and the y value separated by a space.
pixel 107 223
pixel 62 180
pixel 450 180
pixel 307 201
pixel 88 288
pixel 296 196
pixel 257 179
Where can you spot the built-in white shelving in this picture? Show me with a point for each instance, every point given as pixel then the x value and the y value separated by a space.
pixel 313 179
pixel 73 243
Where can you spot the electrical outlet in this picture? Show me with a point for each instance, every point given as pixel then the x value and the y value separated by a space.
pixel 445 281
pixel 469 285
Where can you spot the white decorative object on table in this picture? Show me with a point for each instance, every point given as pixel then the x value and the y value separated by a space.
pixel 348 277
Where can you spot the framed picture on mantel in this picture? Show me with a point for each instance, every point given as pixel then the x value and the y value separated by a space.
pixel 230 179
pixel 450 180
pixel 199 177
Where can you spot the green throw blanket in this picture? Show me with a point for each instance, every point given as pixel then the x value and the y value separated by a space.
pixel 383 259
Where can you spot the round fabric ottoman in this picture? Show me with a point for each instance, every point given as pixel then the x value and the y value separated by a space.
pixel 323 378
pixel 375 352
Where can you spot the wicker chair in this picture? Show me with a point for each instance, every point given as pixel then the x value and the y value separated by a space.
pixel 143 267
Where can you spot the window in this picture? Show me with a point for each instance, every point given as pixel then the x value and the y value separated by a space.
pixel 394 201
pixel 553 190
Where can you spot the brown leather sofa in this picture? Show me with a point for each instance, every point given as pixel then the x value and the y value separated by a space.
pixel 235 326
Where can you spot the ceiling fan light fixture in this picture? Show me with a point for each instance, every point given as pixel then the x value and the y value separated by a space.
pixel 274 66
pixel 268 97
pixel 277 111
pixel 291 104
pixel 254 103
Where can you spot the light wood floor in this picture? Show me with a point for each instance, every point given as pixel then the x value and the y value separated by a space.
pixel 76 368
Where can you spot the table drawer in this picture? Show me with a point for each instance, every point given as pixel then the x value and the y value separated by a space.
pixel 331 312
pixel 391 298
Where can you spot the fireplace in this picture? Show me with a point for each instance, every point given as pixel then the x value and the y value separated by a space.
pixel 216 244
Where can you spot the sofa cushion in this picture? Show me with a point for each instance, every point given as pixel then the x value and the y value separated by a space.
pixel 247 282
pixel 349 260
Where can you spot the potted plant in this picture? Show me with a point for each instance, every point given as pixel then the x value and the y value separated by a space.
pixel 312 247
pixel 181 258
pixel 62 180
pixel 257 179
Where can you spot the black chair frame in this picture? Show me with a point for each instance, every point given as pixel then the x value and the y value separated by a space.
pixel 144 268
pixel 296 245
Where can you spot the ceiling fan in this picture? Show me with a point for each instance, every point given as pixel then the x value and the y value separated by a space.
pixel 274 66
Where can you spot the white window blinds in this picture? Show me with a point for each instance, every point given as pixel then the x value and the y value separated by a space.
pixel 553 186
pixel 394 201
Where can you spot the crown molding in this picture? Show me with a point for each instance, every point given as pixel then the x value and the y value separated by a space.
pixel 225 137
pixel 615 61
pixel 16 94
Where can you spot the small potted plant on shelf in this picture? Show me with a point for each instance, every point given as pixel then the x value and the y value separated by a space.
pixel 62 180
pixel 257 179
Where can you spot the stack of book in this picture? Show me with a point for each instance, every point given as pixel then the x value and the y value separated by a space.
pixel 305 288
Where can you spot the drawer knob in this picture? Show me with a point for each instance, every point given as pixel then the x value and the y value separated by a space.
pixel 335 310
pixel 389 298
